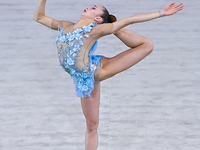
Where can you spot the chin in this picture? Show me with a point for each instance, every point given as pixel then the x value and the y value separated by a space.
pixel 83 14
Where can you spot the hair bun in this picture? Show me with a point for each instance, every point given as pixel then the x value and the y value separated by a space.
pixel 112 18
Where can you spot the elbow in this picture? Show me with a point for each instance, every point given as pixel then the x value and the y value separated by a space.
pixel 34 18
pixel 37 18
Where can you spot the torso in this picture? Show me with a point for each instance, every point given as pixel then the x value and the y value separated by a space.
pixel 75 48
pixel 89 42
pixel 79 58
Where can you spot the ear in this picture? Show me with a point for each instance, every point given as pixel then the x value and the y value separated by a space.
pixel 98 19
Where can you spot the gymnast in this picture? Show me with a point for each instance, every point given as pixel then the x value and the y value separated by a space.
pixel 76 43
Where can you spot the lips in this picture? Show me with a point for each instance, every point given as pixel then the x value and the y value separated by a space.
pixel 84 10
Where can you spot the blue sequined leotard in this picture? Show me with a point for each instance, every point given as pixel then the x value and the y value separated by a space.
pixel 74 60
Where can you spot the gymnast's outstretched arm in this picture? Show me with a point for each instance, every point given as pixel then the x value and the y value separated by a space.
pixel 138 49
pixel 40 17
pixel 112 28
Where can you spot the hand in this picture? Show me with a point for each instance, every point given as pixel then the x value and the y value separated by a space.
pixel 171 9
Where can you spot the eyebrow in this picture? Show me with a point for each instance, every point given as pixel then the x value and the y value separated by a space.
pixel 95 5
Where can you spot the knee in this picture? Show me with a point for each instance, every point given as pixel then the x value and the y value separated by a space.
pixel 92 125
pixel 149 45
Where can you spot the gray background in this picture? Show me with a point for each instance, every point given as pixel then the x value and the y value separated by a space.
pixel 152 106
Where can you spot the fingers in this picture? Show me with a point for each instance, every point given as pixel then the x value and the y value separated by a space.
pixel 170 5
pixel 176 6
pixel 179 7
pixel 172 8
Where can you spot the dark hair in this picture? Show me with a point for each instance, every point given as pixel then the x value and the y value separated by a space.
pixel 107 18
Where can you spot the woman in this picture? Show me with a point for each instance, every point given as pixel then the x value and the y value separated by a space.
pixel 76 43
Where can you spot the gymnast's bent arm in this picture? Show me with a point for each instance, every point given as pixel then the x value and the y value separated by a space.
pixel 40 17
pixel 112 28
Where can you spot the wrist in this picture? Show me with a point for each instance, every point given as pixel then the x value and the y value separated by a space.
pixel 162 13
pixel 159 14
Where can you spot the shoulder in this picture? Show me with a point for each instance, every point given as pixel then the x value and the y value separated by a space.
pixel 103 29
pixel 55 23
pixel 62 23
pixel 65 24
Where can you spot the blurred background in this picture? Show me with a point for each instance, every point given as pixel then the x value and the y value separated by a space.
pixel 153 105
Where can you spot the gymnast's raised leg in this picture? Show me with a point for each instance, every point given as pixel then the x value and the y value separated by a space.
pixel 140 47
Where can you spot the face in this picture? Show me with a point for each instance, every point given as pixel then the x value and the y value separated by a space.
pixel 93 12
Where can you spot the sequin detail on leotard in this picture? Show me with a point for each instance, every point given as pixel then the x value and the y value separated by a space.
pixel 69 53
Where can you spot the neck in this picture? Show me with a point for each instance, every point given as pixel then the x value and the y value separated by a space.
pixel 83 21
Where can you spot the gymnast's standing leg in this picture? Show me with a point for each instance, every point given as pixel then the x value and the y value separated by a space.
pixel 90 105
